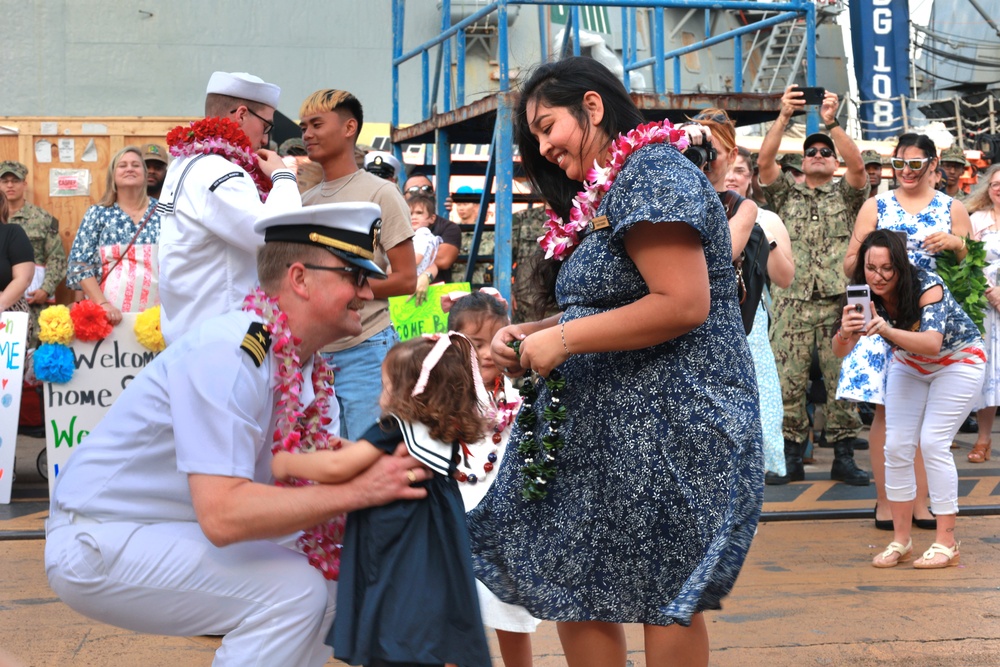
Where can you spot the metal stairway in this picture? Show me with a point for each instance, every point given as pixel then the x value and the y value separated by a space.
pixel 782 58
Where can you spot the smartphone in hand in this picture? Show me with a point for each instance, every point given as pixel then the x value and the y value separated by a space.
pixel 859 296
pixel 812 96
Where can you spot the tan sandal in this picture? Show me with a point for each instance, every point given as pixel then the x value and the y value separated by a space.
pixel 981 452
pixel 928 562
pixel 894 554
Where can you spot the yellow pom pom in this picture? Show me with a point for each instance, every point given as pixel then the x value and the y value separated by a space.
pixel 147 330
pixel 55 325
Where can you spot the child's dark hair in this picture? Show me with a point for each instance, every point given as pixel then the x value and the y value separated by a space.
pixel 474 309
pixel 426 201
pixel 448 406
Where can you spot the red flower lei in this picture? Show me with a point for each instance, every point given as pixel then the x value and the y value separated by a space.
pixel 301 429
pixel 561 237
pixel 219 136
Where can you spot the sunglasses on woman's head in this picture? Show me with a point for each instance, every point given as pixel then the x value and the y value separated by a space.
pixel 824 152
pixel 915 164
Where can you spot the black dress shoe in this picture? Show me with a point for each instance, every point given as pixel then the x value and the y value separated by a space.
pixel 879 523
pixel 774 479
pixel 925 524
pixel 970 425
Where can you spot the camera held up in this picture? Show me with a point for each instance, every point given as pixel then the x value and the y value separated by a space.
pixel 702 155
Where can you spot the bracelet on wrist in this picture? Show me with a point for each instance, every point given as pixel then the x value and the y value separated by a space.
pixel 830 126
pixel 841 336
pixel 562 333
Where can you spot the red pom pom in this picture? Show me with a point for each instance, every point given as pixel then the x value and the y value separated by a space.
pixel 90 322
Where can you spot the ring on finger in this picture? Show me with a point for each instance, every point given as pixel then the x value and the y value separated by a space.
pixel 412 476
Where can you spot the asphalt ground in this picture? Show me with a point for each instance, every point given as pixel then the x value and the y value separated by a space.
pixel 807 594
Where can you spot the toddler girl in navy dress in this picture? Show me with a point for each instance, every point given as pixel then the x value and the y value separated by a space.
pixel 406 593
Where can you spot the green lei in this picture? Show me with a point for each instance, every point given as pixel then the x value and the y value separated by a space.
pixel 965 280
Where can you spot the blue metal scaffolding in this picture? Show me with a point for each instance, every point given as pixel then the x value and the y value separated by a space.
pixel 439 122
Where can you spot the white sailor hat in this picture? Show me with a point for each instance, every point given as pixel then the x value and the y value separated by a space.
pixel 244 86
pixel 348 230
pixel 382 164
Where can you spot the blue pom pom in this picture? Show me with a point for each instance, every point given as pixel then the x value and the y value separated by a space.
pixel 54 363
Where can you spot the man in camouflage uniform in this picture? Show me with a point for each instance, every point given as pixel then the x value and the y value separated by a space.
pixel 43 232
pixel 525 254
pixel 953 163
pixel 819 214
pixel 873 167
pixel 791 164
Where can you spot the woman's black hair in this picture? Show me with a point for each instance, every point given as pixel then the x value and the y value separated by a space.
pixel 908 283
pixel 563 84
pixel 921 141
pixel 474 308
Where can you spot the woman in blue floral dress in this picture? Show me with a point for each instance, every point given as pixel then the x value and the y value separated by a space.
pixel 654 497
pixel 113 259
pixel 932 222
pixel 935 376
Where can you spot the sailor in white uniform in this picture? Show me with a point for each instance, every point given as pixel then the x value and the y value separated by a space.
pixel 209 205
pixel 166 520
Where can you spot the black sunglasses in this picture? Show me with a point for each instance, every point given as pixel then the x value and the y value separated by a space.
pixel 824 152
pixel 414 189
pixel 360 275
pixel 268 124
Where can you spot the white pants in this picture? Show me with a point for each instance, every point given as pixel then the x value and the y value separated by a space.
pixel 168 579
pixel 926 410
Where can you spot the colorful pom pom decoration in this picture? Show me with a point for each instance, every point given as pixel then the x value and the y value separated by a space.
pixel 147 330
pixel 90 321
pixel 54 363
pixel 55 325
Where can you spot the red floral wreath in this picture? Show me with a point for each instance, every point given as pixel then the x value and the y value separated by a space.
pixel 219 136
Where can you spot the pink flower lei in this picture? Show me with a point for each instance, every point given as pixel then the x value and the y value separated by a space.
pixel 301 429
pixel 223 137
pixel 561 237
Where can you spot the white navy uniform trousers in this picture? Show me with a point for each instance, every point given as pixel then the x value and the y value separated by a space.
pixel 123 543
pixel 207 247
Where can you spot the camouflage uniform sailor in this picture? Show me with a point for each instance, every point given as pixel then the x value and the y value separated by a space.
pixel 953 163
pixel 525 253
pixel 43 232
pixel 819 213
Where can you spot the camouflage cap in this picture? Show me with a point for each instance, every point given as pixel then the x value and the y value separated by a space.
pixel 871 157
pixel 289 145
pixel 11 167
pixel 154 152
pixel 791 161
pixel 954 154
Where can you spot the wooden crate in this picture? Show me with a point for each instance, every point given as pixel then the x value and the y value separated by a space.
pixel 19 135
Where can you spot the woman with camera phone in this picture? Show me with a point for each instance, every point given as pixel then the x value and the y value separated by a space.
pixel 934 377
pixel 932 222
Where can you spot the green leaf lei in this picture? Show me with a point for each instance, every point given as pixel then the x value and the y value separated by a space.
pixel 539 460
pixel 966 280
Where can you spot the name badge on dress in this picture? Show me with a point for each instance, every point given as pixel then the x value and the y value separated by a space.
pixel 600 222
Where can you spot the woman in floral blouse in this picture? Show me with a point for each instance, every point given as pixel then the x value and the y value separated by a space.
pixel 114 259
pixel 936 372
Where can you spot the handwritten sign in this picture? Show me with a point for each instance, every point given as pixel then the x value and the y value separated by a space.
pixel 412 320
pixel 13 333
pixel 103 370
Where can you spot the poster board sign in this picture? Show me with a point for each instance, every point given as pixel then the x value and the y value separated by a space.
pixel 103 370
pixel 13 334
pixel 412 320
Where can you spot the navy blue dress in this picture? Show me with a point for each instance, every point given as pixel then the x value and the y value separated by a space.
pixel 406 591
pixel 660 482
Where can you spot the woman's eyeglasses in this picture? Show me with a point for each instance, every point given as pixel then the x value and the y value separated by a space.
pixel 995 187
pixel 360 275
pixel 887 272
pixel 915 164
pixel 824 152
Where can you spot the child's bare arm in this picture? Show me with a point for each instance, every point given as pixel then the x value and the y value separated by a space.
pixel 327 466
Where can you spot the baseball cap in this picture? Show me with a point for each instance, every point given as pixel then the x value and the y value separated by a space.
pixel 871 157
pixel 154 152
pixel 12 167
pixel 791 161
pixel 819 138
pixel 954 154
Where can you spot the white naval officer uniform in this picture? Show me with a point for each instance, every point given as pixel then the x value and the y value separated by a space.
pixel 123 542
pixel 208 248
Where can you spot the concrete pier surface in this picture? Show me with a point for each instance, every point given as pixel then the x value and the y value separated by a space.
pixel 807 594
